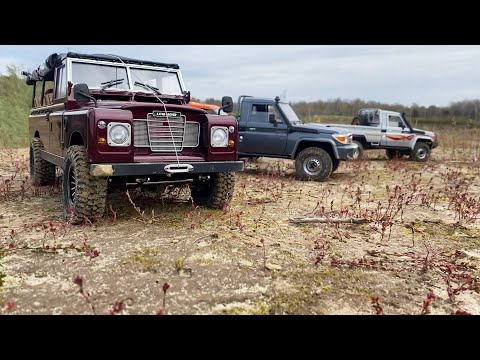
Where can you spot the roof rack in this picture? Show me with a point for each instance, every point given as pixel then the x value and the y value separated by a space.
pixel 119 59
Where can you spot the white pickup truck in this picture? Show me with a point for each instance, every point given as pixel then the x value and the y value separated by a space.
pixel 389 130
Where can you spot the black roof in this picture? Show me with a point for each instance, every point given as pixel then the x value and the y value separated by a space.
pixel 118 59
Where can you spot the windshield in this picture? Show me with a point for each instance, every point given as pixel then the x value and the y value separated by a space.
pixel 165 82
pixel 116 77
pixel 95 75
pixel 289 113
pixel 406 121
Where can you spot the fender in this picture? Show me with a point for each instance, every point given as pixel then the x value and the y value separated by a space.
pixel 420 137
pixel 75 121
pixel 315 140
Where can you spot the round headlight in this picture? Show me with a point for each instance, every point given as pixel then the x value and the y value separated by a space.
pixel 118 134
pixel 219 137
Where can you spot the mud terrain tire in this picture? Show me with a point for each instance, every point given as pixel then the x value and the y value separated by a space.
pixel 83 194
pixel 313 164
pixel 42 172
pixel 421 152
pixel 215 192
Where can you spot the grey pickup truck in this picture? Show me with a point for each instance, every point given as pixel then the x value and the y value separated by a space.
pixel 389 130
pixel 270 128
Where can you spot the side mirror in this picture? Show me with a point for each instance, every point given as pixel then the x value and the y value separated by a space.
pixel 187 96
pixel 271 119
pixel 227 104
pixel 81 93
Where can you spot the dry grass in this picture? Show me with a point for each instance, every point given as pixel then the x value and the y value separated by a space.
pixel 421 236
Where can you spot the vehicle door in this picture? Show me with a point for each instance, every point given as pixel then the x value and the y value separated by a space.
pixel 56 111
pixel 374 119
pixel 265 131
pixel 383 128
pixel 396 135
pixel 38 117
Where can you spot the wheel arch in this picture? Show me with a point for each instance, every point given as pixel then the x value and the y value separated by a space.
pixel 327 145
pixel 76 139
pixel 427 141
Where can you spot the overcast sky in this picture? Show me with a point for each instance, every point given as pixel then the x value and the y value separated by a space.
pixel 426 75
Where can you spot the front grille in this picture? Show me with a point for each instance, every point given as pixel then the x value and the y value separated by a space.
pixel 155 133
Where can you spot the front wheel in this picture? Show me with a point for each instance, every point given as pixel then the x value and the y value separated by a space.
pixel 421 152
pixel 313 164
pixel 214 192
pixel 84 195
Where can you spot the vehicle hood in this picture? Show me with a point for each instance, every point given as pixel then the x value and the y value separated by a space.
pixel 423 132
pixel 318 128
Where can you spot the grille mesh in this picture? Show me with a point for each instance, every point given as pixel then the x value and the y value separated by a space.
pixel 155 133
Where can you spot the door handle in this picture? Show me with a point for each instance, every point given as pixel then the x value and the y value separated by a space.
pixel 384 131
pixel 252 129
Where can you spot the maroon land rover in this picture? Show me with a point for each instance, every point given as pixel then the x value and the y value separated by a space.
pixel 110 121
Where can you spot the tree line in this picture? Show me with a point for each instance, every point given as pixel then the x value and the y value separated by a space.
pixel 312 111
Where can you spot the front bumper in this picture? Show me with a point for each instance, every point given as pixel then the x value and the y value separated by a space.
pixel 347 152
pixel 144 169
pixel 434 144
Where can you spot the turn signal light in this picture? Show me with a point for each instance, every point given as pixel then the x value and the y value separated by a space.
pixel 102 141
pixel 231 143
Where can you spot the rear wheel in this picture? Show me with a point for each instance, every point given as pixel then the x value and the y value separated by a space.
pixel 41 171
pixel 358 154
pixel 421 152
pixel 356 121
pixel 215 192
pixel 313 164
pixel 84 196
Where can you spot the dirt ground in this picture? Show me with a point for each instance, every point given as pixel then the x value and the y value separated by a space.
pixel 415 251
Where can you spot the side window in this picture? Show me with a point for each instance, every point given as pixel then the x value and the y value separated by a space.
pixel 373 118
pixel 45 98
pixel 61 88
pixel 261 113
pixel 48 93
pixel 271 110
pixel 395 121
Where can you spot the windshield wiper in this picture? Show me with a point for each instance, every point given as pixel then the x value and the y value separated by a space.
pixel 149 87
pixel 110 83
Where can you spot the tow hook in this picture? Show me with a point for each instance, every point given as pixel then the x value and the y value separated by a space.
pixel 178 168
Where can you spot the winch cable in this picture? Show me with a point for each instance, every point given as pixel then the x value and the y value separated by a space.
pixel 165 109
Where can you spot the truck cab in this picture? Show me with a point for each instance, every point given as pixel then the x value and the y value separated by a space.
pixel 271 128
pixel 110 121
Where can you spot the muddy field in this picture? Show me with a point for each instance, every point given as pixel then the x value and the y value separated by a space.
pixel 414 247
